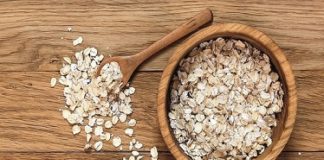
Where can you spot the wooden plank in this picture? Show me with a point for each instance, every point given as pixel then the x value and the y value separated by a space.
pixel 78 156
pixel 30 120
pixel 308 134
pixel 31 31
pixel 119 155
pixel 301 155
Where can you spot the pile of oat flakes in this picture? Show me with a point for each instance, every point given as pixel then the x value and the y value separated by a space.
pixel 224 97
pixel 94 105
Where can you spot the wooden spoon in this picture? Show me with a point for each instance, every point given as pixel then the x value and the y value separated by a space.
pixel 128 64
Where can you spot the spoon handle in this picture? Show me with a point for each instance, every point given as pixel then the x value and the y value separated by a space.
pixel 191 25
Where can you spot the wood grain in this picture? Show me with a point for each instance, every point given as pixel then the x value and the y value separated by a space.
pixel 30 31
pixel 79 156
pixel 128 64
pixel 119 155
pixel 32 49
pixel 30 120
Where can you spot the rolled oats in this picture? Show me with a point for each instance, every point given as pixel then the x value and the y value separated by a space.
pixel 108 124
pixel 76 129
pixel 87 129
pixel 131 158
pixel 224 97
pixel 154 153
pixel 108 136
pixel 135 153
pixel 67 60
pixel 138 145
pixel 132 122
pixel 116 141
pixel 77 41
pixel 95 103
pixel 53 82
pixel 98 130
pixel 98 145
pixel 129 131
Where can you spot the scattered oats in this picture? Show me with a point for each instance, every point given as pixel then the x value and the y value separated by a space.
pixel 67 60
pixel 138 145
pixel 135 153
pixel 129 131
pixel 130 146
pixel 69 29
pixel 299 153
pixel 139 157
pixel 114 120
pixel 77 41
pixel 98 130
pixel 76 129
pixel 103 136
pixel 108 136
pixel 122 118
pixel 121 148
pixel 116 141
pixel 66 113
pixel 132 122
pixel 53 82
pixel 131 90
pixel 93 52
pixel 100 121
pixel 87 129
pixel 108 124
pixel 87 147
pixel 74 118
pixel 224 87
pixel 98 145
pixel 90 100
pixel 92 122
pixel 133 141
pixel 154 153
pixel 131 158
pixel 88 137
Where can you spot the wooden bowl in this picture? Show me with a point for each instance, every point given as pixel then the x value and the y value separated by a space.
pixel 286 118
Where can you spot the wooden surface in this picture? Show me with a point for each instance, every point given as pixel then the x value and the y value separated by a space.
pixel 32 49
pixel 128 64
pixel 286 118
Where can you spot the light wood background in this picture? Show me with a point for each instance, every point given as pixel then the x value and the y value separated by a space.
pixel 31 51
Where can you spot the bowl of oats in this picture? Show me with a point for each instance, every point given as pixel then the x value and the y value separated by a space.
pixel 228 92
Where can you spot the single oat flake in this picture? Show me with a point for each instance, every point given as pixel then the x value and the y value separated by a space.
pixel 116 141
pixel 77 41
pixel 53 82
pixel 154 153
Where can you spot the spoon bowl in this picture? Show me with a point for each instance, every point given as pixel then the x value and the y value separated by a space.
pixel 127 65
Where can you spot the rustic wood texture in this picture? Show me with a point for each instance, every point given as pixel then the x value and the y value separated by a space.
pixel 31 126
pixel 30 120
pixel 31 30
pixel 128 64
pixel 113 155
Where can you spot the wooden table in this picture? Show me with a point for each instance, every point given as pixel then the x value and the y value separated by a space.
pixel 31 51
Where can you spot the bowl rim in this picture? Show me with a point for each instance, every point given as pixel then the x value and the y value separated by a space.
pixel 238 31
